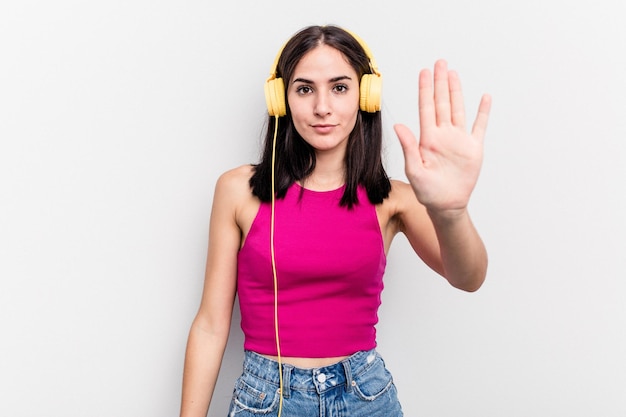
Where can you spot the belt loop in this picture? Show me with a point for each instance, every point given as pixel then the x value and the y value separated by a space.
pixel 286 380
pixel 348 371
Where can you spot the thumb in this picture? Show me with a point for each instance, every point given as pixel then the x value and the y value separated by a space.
pixel 410 148
pixel 406 137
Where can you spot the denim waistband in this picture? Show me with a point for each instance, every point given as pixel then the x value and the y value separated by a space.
pixel 309 379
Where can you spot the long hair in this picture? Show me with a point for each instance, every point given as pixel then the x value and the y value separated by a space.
pixel 295 158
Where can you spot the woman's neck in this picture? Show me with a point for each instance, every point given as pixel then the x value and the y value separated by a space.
pixel 329 172
pixel 324 179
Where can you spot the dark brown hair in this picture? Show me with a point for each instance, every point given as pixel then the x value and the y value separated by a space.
pixel 295 158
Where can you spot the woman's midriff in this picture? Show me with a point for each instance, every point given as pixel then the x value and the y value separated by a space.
pixel 307 362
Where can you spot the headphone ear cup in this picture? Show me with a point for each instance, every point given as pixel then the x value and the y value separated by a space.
pixel 371 92
pixel 275 97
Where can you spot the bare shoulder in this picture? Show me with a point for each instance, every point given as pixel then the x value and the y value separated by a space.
pixel 236 179
pixel 400 205
pixel 395 203
pixel 233 185
pixel 401 197
pixel 405 207
pixel 234 195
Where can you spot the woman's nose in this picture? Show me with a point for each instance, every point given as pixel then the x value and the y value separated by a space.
pixel 322 105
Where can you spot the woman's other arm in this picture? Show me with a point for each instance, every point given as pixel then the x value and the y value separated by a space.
pixel 211 327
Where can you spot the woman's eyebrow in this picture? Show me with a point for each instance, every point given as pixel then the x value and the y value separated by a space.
pixel 332 80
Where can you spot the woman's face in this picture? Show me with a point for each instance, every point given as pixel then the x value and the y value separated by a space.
pixel 323 96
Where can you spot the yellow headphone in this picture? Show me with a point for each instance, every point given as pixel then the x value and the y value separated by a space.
pixel 370 89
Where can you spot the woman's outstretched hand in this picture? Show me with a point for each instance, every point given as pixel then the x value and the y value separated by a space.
pixel 443 167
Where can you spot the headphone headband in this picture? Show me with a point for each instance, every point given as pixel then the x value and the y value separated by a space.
pixel 275 64
pixel 367 50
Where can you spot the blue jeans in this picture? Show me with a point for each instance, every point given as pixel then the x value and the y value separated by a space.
pixel 359 386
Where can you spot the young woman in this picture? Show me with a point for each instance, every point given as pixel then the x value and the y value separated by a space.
pixel 302 236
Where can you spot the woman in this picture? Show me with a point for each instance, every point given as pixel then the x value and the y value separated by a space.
pixel 302 238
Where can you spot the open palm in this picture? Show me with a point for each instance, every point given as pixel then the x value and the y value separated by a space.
pixel 443 167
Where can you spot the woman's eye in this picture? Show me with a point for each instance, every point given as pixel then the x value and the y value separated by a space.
pixel 341 88
pixel 303 89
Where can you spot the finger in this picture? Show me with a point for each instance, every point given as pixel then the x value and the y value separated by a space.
pixel 456 100
pixel 480 124
pixel 406 137
pixel 409 144
pixel 442 92
pixel 426 102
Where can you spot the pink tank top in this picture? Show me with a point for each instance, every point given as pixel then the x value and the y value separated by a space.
pixel 330 262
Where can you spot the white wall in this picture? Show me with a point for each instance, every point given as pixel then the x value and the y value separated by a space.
pixel 117 117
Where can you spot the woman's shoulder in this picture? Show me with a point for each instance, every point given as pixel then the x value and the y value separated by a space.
pixel 403 204
pixel 241 172
pixel 236 178
pixel 234 194
pixel 397 201
pixel 401 193
pixel 235 183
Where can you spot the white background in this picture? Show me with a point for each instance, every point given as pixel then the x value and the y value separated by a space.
pixel 117 117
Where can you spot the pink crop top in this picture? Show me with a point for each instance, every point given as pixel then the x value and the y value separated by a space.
pixel 330 262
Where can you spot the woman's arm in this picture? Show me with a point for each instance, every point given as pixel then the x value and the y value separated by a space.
pixel 442 170
pixel 211 326
pixel 463 254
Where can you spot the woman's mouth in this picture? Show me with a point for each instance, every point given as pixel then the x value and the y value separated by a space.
pixel 323 128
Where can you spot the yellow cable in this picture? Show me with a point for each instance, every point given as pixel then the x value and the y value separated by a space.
pixel 280 364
